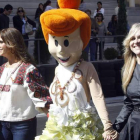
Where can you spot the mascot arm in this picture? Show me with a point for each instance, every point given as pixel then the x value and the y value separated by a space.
pixel 99 102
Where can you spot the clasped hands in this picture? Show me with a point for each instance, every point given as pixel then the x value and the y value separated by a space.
pixel 111 134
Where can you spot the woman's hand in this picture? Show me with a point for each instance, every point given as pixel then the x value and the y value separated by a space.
pixel 45 110
pixel 111 134
pixel 94 30
pixel 26 19
pixel 108 137
pixel 109 33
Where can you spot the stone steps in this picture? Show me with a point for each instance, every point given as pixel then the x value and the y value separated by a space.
pixel 24 4
pixel 109 5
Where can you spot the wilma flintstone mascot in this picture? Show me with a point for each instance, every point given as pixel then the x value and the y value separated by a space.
pixel 71 117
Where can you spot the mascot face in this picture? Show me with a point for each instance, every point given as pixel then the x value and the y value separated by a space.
pixel 66 49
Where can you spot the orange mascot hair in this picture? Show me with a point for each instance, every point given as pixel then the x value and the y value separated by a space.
pixel 64 21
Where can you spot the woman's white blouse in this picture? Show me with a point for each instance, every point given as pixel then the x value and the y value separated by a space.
pixel 48 8
pixel 23 26
pixel 23 94
pixel 102 10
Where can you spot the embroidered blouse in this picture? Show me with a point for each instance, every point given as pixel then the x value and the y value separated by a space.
pixel 24 93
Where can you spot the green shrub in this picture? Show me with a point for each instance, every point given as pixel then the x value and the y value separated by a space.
pixel 110 53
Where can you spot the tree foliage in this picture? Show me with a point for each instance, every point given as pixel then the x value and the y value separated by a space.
pixel 122 25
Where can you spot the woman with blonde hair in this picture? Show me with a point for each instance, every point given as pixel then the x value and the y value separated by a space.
pixel 20 20
pixel 22 89
pixel 130 113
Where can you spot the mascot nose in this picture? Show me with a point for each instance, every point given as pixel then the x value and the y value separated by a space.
pixel 60 49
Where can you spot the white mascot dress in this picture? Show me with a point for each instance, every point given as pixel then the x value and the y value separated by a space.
pixel 71 117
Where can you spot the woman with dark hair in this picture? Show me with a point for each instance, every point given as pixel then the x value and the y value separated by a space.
pixel 112 25
pixel 20 20
pixel 99 9
pixel 47 6
pixel 22 89
pixel 38 12
pixel 102 31
pixel 92 43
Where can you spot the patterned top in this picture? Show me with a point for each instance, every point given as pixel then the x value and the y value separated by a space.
pixel 23 93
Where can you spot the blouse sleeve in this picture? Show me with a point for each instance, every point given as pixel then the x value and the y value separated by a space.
pixel 103 11
pixel 124 114
pixel 95 12
pixel 37 89
pixel 98 100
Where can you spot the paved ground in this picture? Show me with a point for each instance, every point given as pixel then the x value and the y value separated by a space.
pixel 114 106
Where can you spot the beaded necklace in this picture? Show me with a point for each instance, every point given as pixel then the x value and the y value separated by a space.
pixel 61 92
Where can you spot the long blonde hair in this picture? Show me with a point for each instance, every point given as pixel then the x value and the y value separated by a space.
pixel 129 57
pixel 14 41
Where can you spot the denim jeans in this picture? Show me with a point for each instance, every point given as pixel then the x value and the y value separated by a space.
pixel 23 130
pixel 92 47
pixel 99 45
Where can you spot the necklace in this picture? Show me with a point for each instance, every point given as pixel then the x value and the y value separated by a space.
pixel 61 92
pixel 17 66
pixel 12 65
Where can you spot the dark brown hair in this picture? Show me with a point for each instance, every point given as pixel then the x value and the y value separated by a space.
pixel 100 14
pixel 14 41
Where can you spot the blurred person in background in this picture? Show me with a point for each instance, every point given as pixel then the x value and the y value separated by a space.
pixel 99 9
pixel 102 32
pixel 20 21
pixel 38 12
pixel 112 26
pixel 4 19
pixel 4 22
pixel 92 43
pixel 82 6
pixel 47 5
pixel 117 8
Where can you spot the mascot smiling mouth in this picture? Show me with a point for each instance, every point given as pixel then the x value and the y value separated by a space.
pixel 63 60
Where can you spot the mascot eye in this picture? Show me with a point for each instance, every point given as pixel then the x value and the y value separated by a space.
pixel 66 43
pixel 56 43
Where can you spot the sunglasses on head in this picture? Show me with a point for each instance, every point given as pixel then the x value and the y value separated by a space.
pixel 20 11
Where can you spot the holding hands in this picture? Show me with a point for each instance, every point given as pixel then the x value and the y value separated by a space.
pixel 110 134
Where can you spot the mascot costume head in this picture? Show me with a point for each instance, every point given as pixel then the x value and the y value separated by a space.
pixel 67 31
